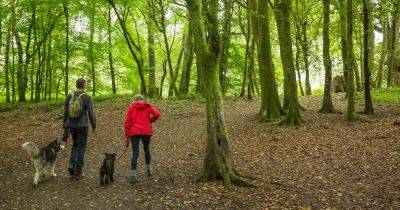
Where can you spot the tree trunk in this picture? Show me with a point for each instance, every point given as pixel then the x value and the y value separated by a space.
pixel 343 41
pixel 250 70
pixel 133 47
pixel 91 58
pixel 13 96
pixel 393 42
pixel 297 64
pixel 304 45
pixel 6 64
pixel 382 59
pixel 167 47
pixel 164 75
pixel 49 69
pixel 351 112
pixel 270 105
pixel 152 59
pixel 65 6
pixel 327 105
pixel 282 14
pixel 357 74
pixel 110 56
pixel 187 61
pixel 217 163
pixel 368 56
pixel 177 66
pixel 226 35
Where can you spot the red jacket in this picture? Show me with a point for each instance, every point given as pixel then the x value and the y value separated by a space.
pixel 139 117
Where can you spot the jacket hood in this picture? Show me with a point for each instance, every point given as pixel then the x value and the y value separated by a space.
pixel 139 105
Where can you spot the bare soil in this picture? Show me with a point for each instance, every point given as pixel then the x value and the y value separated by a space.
pixel 327 163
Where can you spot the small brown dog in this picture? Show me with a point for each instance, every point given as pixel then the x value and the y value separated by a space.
pixel 107 169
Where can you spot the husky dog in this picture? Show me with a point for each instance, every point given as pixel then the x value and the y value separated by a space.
pixel 107 169
pixel 44 159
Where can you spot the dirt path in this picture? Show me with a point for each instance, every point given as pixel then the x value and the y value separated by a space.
pixel 326 163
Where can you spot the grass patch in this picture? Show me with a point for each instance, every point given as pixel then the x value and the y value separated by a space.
pixel 387 95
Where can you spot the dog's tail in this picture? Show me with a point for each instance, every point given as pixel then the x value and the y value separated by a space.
pixel 31 149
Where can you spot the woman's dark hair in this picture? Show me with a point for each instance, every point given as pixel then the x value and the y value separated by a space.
pixel 80 83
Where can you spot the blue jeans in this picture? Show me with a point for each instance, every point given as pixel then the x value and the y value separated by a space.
pixel 79 138
pixel 135 150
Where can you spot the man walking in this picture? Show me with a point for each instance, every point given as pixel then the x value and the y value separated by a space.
pixel 78 111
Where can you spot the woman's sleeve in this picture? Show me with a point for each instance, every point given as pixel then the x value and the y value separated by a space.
pixel 155 114
pixel 128 123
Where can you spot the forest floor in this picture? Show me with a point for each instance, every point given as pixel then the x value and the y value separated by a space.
pixel 328 162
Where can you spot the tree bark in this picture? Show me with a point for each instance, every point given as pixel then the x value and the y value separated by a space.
pixel 298 51
pixel 382 59
pixel 91 58
pixel 271 108
pixel 110 55
pixel 282 14
pixel 343 41
pixel 6 64
pixel 66 71
pixel 368 56
pixel 187 61
pixel 393 42
pixel 167 47
pixel 217 163
pixel 152 58
pixel 226 35
pixel 351 112
pixel 327 105
pixel 134 48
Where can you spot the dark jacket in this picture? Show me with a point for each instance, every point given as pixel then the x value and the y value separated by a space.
pixel 88 113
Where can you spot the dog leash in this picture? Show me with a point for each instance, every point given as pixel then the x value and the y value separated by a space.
pixel 121 155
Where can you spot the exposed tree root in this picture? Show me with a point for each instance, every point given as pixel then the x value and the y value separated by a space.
pixel 292 120
pixel 328 110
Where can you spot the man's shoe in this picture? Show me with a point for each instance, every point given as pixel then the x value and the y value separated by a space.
pixel 78 174
pixel 71 170
pixel 149 170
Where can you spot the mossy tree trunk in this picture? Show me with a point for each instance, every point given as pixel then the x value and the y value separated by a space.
pixel 327 105
pixel 6 64
pixel 343 42
pixel 217 163
pixel 66 71
pixel 382 59
pixel 368 56
pixel 282 14
pixel 187 61
pixel 351 112
pixel 226 36
pixel 271 108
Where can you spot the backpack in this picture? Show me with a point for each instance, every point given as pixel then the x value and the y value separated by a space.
pixel 75 106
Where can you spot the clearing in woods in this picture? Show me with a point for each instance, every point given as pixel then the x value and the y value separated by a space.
pixel 328 162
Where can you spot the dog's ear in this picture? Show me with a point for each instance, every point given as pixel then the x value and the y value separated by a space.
pixel 113 154
pixel 106 154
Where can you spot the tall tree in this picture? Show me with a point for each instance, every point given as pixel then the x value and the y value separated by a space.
pixel 151 55
pixel 217 163
pixel 343 39
pixel 187 60
pixel 327 105
pixel 351 111
pixel 368 56
pixel 6 64
pixel 110 55
pixel 271 108
pixel 282 16
pixel 394 29
pixel 134 48
pixel 382 59
pixel 91 53
pixel 66 71
pixel 226 35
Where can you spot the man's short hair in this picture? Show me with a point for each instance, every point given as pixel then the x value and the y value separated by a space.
pixel 80 83
pixel 138 97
